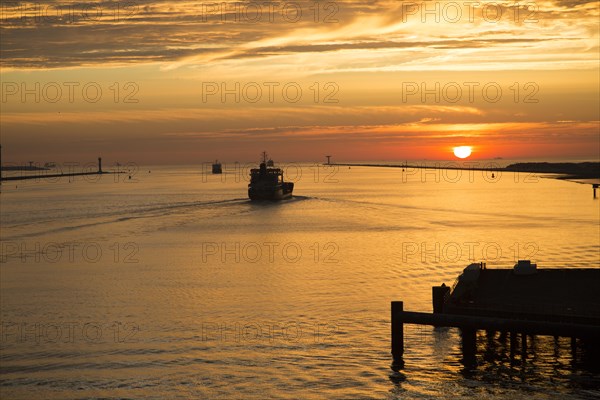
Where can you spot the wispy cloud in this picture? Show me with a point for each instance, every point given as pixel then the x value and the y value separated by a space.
pixel 177 34
pixel 369 49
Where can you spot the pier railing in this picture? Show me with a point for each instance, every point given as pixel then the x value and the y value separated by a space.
pixel 555 312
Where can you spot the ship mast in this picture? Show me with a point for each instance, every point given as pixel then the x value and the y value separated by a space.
pixel 264 155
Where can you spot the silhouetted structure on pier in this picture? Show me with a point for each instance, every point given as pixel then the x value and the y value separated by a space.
pixel 523 300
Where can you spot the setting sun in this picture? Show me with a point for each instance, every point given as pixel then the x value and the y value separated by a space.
pixel 462 151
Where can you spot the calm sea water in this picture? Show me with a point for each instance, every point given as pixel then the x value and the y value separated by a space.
pixel 173 285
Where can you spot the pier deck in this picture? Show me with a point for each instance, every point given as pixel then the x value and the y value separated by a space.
pixel 555 302
pixel 562 295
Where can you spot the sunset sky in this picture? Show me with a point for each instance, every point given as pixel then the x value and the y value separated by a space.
pixel 361 80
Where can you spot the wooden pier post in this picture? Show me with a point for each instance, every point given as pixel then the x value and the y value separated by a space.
pixel 397 332
pixel 513 343
pixel 438 294
pixel 490 336
pixel 523 346
pixel 469 346
pixel 502 337
pixel 595 186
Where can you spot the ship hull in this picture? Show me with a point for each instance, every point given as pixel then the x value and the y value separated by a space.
pixel 271 193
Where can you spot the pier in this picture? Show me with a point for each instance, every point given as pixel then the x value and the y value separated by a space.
pixel 582 170
pixel 53 175
pixel 520 301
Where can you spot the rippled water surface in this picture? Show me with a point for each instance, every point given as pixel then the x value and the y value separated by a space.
pixel 173 285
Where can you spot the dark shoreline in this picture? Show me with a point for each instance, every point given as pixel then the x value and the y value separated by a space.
pixel 582 170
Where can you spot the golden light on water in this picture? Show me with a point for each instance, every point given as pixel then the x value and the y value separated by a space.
pixel 462 151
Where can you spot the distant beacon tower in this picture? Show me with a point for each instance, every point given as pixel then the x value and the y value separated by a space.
pixel 99 165
pixel 328 160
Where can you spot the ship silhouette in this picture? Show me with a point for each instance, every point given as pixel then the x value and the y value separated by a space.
pixel 266 182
